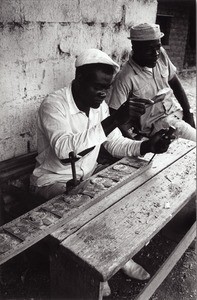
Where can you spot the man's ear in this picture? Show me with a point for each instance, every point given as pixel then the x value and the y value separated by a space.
pixel 78 80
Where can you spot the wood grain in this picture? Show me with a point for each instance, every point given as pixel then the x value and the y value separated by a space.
pixel 177 149
pixel 108 241
pixel 44 219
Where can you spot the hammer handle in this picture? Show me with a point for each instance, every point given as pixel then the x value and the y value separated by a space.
pixel 72 160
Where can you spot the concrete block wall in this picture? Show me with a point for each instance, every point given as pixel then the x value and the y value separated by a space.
pixel 178 30
pixel 39 43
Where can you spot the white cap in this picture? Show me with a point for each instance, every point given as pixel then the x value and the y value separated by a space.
pixel 94 56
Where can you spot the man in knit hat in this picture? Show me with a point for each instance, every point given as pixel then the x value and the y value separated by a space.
pixel 76 119
pixel 150 74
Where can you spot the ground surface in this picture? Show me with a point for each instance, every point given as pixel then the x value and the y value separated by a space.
pixel 27 276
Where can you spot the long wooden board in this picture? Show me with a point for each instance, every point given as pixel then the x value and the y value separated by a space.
pixel 176 150
pixel 23 232
pixel 108 241
pixel 13 168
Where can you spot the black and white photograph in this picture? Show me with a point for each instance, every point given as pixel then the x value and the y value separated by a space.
pixel 98 150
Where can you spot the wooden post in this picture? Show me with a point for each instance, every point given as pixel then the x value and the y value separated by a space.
pixel 71 280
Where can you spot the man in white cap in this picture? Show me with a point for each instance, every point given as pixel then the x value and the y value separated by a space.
pixel 150 74
pixel 76 119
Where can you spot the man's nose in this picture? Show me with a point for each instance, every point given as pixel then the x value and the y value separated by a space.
pixel 156 52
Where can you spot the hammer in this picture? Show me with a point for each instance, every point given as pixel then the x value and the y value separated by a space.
pixel 72 159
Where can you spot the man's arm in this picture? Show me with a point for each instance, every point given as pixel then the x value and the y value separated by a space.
pixel 125 128
pixel 181 96
pixel 130 111
pixel 55 123
pixel 119 146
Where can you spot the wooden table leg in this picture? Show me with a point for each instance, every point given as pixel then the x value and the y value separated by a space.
pixel 69 280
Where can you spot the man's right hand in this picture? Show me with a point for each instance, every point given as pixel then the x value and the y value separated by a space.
pixel 131 110
pixel 158 143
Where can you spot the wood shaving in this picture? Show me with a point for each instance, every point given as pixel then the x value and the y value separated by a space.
pixel 167 205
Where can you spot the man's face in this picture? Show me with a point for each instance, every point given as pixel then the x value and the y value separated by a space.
pixel 95 90
pixel 146 53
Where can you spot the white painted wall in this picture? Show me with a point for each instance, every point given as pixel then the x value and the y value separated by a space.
pixel 39 40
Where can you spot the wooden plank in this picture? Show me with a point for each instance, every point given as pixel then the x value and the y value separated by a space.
pixel 17 166
pixel 14 162
pixel 176 150
pixel 71 281
pixel 108 241
pixel 168 265
pixel 43 220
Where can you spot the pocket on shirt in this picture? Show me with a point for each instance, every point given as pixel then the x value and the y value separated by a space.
pixel 164 72
pixel 141 92
pixel 168 102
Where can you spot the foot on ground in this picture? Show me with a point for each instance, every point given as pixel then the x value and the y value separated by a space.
pixel 133 270
pixel 106 289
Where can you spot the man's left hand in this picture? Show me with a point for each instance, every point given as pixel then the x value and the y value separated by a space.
pixel 188 117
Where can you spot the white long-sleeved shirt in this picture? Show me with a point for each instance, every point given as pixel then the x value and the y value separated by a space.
pixel 63 128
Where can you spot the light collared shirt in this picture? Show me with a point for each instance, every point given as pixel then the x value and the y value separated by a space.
pixel 63 128
pixel 143 82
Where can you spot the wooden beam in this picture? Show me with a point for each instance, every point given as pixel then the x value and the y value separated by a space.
pixel 109 240
pixel 177 149
pixel 23 232
pixel 168 265
pixel 17 166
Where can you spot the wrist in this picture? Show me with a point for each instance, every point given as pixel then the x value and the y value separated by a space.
pixel 114 120
pixel 109 124
pixel 145 147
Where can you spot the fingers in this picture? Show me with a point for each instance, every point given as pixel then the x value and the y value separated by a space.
pixel 137 107
pixel 163 146
pixel 140 100
pixel 170 138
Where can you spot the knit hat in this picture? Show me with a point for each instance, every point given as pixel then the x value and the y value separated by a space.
pixel 145 32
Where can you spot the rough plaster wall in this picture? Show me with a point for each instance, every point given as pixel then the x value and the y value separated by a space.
pixel 39 42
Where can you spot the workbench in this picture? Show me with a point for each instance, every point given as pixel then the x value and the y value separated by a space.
pixel 96 229
pixel 98 242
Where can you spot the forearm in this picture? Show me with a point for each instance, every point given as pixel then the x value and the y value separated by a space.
pixel 124 127
pixel 145 147
pixel 119 146
pixel 179 93
pixel 79 142
pixel 109 124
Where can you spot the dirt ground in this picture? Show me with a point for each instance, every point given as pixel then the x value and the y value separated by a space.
pixel 27 276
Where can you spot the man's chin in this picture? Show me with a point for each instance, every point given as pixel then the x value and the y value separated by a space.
pixel 151 66
pixel 96 105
